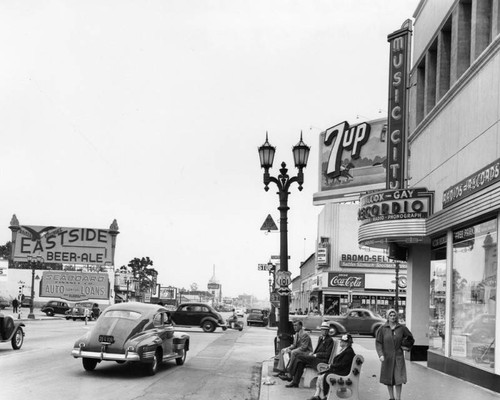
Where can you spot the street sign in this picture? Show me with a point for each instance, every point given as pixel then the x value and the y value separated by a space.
pixel 264 267
pixel 275 299
pixel 277 257
pixel 284 291
pixel 283 278
pixel 269 224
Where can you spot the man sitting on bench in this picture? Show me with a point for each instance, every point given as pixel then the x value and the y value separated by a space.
pixel 321 354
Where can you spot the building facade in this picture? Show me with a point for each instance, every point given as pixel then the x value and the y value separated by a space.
pixel 451 188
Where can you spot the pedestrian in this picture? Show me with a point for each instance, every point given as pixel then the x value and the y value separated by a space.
pixel 341 365
pixel 391 341
pixel 321 354
pixel 302 344
pixel 15 305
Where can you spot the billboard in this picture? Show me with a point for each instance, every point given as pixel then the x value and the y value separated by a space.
pixel 74 286
pixel 352 159
pixel 54 244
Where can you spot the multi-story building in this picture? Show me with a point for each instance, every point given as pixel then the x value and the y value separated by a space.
pixel 442 212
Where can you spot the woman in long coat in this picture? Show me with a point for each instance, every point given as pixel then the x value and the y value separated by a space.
pixel 391 341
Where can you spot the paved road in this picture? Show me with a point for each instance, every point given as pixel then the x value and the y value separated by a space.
pixel 219 365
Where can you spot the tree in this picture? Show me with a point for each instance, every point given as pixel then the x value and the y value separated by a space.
pixel 5 250
pixel 143 274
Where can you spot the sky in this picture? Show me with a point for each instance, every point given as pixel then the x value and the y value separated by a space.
pixel 150 112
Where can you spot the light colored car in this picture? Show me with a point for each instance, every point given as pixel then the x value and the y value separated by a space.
pixel 239 312
pixel 132 332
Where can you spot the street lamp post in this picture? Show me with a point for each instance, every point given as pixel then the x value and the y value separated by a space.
pixel 33 263
pixel 283 182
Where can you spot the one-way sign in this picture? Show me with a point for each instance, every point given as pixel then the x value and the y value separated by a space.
pixel 283 291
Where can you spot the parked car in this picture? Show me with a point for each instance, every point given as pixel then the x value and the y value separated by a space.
pixel 11 331
pixel 55 307
pixel 78 311
pixel 356 320
pixel 4 303
pixel 257 316
pixel 26 301
pixel 198 314
pixel 132 332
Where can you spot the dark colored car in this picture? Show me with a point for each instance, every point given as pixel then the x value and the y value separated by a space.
pixel 198 314
pixel 11 331
pixel 55 307
pixel 257 316
pixel 83 309
pixel 132 332
pixel 26 301
pixel 4 303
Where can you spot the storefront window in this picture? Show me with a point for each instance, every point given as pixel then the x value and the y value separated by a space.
pixel 437 305
pixel 474 288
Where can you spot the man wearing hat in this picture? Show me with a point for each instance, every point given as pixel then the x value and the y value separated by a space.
pixel 321 354
pixel 341 365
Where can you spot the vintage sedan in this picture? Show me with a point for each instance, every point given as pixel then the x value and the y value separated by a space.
pixel 132 332
pixel 11 331
pixel 82 310
pixel 257 317
pixel 356 320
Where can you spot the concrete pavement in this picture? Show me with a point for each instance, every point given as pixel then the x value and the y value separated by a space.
pixel 423 383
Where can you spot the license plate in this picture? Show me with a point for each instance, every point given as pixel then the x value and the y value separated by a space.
pixel 106 339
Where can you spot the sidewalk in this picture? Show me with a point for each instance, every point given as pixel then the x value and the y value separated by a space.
pixel 23 315
pixel 423 383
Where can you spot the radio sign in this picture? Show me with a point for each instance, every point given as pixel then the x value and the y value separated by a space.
pixel 395 205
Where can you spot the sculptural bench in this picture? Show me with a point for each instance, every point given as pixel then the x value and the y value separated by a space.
pixel 346 387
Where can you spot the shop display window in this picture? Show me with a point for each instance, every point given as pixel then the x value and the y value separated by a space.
pixel 437 305
pixel 474 290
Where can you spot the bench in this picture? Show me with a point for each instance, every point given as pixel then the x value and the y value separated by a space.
pixel 311 374
pixel 346 387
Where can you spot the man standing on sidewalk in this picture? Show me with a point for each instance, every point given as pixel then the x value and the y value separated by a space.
pixel 15 305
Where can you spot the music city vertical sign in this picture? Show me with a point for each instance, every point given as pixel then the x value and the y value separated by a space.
pixel 398 84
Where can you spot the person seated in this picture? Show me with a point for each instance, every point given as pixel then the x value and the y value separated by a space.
pixel 302 344
pixel 341 365
pixel 321 354
pixel 233 319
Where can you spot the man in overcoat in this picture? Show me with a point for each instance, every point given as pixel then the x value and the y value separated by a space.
pixel 321 354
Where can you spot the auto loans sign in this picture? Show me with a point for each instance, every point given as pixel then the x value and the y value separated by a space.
pixel 74 286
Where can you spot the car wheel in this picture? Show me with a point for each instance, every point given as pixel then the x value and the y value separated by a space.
pixel 50 313
pixel 374 333
pixel 74 319
pixel 208 326
pixel 67 318
pixel 18 339
pixel 181 360
pixel 89 364
pixel 152 368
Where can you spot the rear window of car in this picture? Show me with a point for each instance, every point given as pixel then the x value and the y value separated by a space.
pixel 133 315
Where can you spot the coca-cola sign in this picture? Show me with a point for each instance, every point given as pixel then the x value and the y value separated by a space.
pixel 336 279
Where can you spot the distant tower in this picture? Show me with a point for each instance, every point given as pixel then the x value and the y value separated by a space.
pixel 215 288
